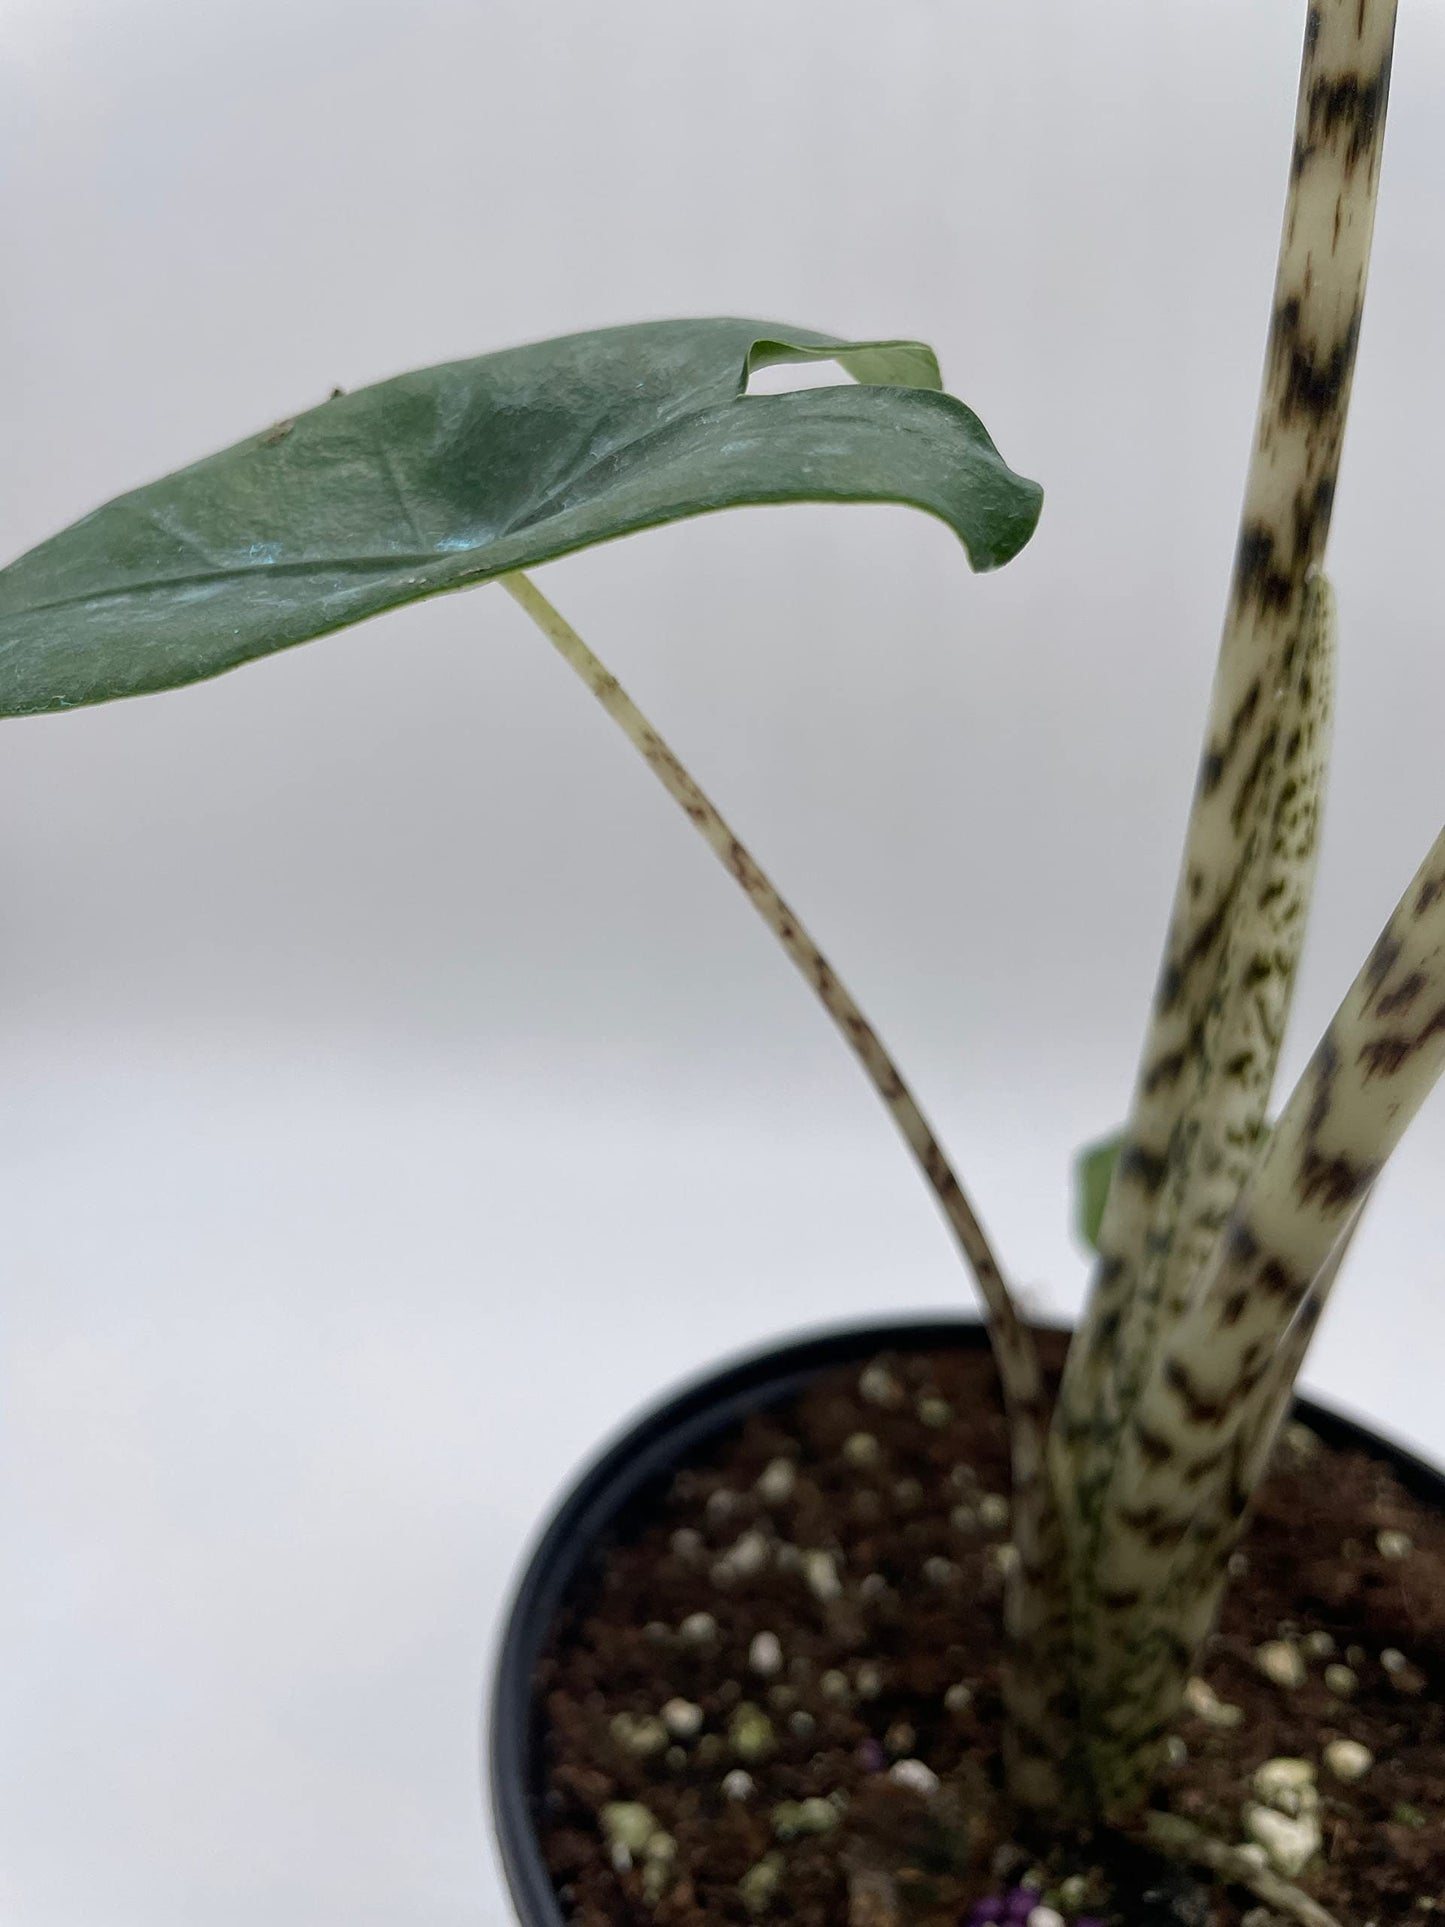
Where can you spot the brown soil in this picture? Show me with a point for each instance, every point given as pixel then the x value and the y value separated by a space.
pixel 873 1577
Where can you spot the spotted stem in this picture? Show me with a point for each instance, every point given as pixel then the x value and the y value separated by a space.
pixel 1035 1599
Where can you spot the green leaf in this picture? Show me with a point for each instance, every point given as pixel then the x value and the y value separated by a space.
pixel 1093 1173
pixel 452 475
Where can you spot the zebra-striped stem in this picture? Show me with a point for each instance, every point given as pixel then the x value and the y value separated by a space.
pixel 1318 299
pixel 1193 1442
pixel 1189 1598
pixel 1037 1621
pixel 1268 1407
pixel 1214 1147
pixel 1216 1142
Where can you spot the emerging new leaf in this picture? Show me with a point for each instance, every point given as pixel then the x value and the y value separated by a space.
pixel 1093 1174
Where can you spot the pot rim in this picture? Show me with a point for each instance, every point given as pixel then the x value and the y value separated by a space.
pixel 641 1452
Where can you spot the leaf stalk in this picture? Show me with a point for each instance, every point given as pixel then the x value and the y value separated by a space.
pixel 1036 1606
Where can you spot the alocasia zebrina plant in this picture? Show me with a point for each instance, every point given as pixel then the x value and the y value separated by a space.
pixel 1219 1235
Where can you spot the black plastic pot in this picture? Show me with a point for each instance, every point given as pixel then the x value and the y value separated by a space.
pixel 636 1468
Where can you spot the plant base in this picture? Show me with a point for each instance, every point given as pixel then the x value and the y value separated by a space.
pixel 770 1689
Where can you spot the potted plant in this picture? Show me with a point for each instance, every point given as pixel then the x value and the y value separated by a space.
pixel 1219 1234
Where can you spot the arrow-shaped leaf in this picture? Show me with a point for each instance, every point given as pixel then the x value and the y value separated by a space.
pixel 449 476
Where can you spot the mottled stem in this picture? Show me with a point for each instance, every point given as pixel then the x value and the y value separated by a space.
pixel 1216 1142
pixel 1269 1406
pixel 1037 1614
pixel 1188 1596
pixel 1194 1441
pixel 1021 1372
pixel 1318 300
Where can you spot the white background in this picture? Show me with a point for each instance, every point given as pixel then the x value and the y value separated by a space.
pixel 393 1095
